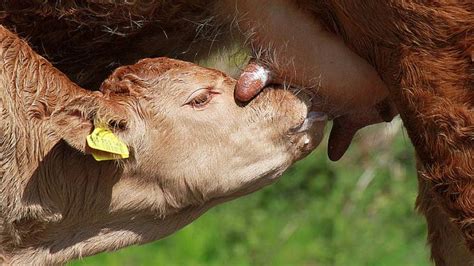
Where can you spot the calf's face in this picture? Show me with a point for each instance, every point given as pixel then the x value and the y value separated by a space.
pixel 190 137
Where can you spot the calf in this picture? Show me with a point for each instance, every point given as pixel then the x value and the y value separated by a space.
pixel 189 147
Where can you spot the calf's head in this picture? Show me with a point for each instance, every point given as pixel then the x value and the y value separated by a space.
pixel 191 147
pixel 190 137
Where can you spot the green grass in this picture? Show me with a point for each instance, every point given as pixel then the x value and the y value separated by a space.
pixel 359 211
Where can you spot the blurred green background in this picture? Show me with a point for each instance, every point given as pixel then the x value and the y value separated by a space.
pixel 358 211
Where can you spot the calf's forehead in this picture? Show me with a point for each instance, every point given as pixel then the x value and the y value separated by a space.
pixel 195 74
pixel 188 79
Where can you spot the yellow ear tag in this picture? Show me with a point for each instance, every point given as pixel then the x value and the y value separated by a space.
pixel 106 146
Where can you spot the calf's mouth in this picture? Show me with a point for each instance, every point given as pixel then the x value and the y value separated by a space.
pixel 311 116
pixel 304 125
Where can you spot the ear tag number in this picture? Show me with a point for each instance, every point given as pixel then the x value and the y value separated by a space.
pixel 106 146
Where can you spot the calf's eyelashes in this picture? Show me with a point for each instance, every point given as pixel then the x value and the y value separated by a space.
pixel 200 98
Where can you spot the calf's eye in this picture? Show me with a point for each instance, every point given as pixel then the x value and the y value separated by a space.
pixel 200 98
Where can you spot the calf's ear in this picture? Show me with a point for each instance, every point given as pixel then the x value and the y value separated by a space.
pixel 77 119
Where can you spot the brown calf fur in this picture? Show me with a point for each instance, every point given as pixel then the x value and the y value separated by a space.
pixel 423 51
pixel 192 147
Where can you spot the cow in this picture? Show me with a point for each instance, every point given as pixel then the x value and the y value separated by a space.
pixel 424 53
pixel 184 146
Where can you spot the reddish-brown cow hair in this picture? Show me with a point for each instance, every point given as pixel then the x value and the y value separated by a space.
pixel 423 53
